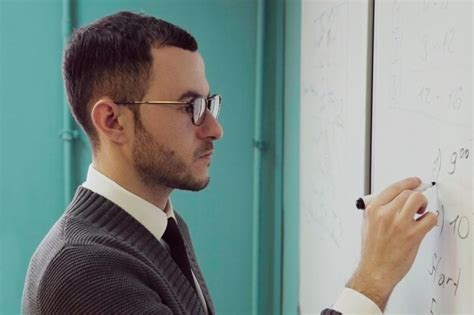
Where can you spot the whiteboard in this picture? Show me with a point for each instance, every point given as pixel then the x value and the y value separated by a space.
pixel 333 145
pixel 422 125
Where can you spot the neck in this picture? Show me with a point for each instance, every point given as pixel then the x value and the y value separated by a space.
pixel 125 175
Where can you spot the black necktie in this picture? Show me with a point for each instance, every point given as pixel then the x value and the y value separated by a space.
pixel 175 241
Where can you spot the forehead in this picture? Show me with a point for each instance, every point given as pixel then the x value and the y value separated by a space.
pixel 177 71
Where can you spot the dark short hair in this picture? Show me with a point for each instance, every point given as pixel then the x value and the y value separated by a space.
pixel 112 57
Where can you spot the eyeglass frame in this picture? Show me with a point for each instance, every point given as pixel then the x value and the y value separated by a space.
pixel 208 99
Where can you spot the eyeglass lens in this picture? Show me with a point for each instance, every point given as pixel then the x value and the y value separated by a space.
pixel 199 108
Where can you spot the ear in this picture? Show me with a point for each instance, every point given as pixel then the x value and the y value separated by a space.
pixel 111 120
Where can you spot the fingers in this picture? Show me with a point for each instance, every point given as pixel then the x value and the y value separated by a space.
pixel 399 201
pixel 406 204
pixel 426 222
pixel 391 192
pixel 416 203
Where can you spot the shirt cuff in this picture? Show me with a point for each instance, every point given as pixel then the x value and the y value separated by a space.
pixel 353 302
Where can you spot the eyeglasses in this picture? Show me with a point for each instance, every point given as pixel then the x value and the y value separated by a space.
pixel 197 106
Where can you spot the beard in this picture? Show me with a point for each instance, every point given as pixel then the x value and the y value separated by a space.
pixel 157 165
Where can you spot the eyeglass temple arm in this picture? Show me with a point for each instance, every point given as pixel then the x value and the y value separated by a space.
pixel 153 102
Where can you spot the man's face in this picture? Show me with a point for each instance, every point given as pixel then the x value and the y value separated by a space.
pixel 168 149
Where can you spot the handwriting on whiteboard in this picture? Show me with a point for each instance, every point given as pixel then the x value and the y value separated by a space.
pixel 454 226
pixel 324 97
pixel 438 49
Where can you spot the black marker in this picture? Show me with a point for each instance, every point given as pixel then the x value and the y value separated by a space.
pixel 364 202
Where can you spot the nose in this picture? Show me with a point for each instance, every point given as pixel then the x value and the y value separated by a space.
pixel 210 129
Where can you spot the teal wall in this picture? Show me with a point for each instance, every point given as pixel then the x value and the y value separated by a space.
pixel 236 223
pixel 31 119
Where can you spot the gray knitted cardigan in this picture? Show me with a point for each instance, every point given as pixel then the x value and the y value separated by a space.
pixel 97 259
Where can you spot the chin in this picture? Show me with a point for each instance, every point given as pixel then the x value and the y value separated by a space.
pixel 196 185
pixel 203 182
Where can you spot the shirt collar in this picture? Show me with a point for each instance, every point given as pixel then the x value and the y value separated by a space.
pixel 150 216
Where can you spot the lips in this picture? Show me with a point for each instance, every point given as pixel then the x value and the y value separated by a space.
pixel 205 152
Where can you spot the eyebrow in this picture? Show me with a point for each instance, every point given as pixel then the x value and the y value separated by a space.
pixel 192 94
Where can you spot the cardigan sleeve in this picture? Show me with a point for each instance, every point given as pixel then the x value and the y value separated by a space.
pixel 328 311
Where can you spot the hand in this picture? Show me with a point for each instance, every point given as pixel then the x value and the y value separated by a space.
pixel 390 239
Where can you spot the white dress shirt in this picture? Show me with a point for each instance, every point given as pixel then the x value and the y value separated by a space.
pixel 150 216
pixel 352 302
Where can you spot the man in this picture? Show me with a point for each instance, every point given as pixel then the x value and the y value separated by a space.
pixel 137 87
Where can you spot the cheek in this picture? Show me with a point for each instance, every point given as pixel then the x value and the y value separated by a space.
pixel 175 131
pixel 179 139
